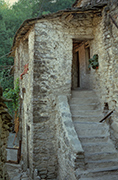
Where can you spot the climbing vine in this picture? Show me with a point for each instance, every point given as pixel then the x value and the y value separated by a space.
pixel 13 94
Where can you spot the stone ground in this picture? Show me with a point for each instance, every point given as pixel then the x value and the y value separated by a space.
pixel 15 172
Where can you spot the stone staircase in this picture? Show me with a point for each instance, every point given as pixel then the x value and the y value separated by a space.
pixel 101 156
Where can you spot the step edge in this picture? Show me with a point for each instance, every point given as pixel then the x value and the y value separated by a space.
pixel 86 122
pixel 97 170
pixel 100 143
pixel 101 153
pixel 103 161
pixel 91 137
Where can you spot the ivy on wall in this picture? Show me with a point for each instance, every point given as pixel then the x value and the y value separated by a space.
pixel 14 95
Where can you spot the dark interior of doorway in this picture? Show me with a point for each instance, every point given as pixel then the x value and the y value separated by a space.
pixel 76 65
pixel 28 131
pixel 78 68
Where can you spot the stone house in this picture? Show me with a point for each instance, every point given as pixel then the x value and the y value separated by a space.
pixel 51 56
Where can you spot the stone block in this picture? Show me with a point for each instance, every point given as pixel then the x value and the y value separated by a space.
pixel 37 119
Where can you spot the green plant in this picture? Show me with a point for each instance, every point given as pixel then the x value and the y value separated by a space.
pixel 13 94
pixel 93 62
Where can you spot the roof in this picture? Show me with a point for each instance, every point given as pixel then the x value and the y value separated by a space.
pixel 27 24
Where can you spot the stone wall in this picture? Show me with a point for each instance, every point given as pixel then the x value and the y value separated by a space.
pixel 97 47
pixel 70 152
pixel 114 58
pixel 24 55
pixel 5 123
pixel 105 78
pixel 52 77
pixel 101 77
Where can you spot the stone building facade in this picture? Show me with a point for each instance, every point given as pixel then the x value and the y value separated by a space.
pixel 51 56
pixel 5 123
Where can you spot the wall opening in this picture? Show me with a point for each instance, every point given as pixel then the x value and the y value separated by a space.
pixel 80 70
pixel 75 66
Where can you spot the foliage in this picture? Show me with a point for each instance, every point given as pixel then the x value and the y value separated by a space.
pixel 6 37
pixel 93 62
pixel 6 79
pixel 34 8
pixel 13 94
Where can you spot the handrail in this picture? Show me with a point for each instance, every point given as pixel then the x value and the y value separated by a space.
pixel 106 116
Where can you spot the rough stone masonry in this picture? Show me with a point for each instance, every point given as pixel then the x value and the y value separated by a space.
pixel 5 123
pixel 48 51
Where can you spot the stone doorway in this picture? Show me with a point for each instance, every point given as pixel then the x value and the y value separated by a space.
pixel 80 70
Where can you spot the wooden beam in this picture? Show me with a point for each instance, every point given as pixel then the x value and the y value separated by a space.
pixel 82 12
pixel 77 49
pixel 27 34
pixel 83 37
pixel 69 17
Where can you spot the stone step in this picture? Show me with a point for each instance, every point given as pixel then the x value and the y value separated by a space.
pixel 101 156
pixel 82 101
pixel 83 94
pixel 89 124
pixel 98 172
pixel 80 118
pixel 86 112
pixel 102 163
pixel 106 177
pixel 94 106
pixel 98 147
pixel 93 139
pixel 91 129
